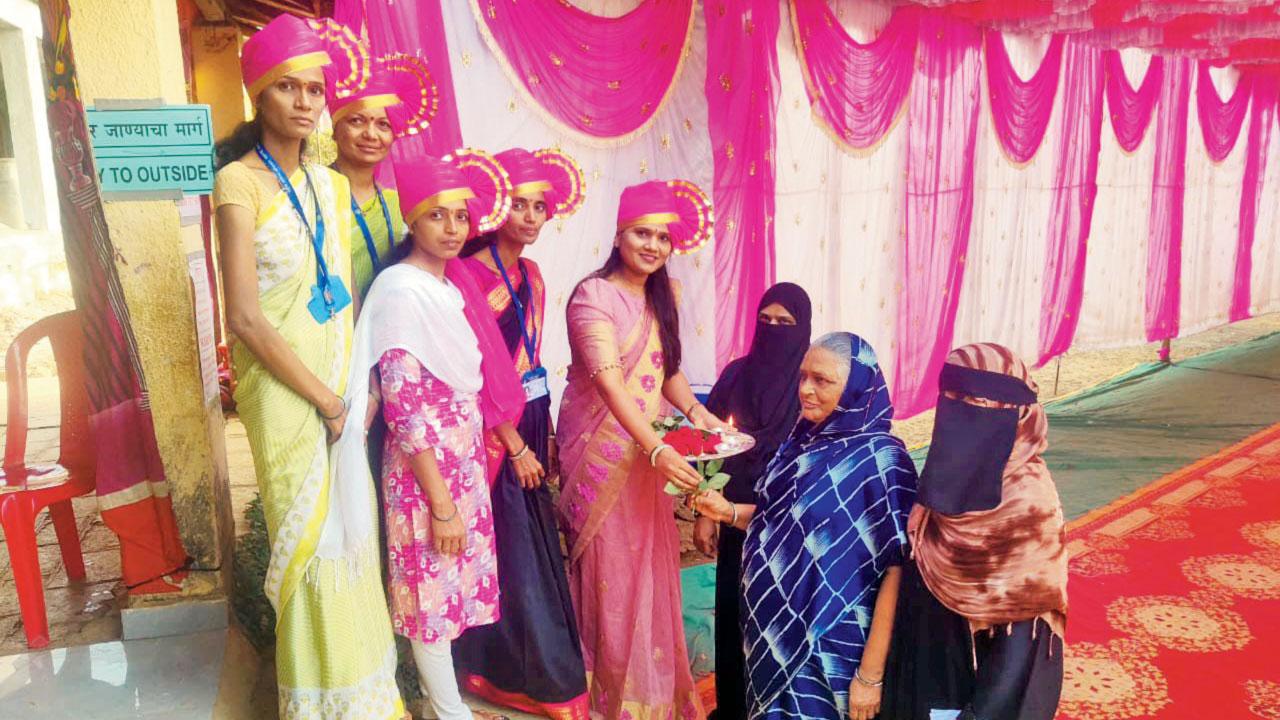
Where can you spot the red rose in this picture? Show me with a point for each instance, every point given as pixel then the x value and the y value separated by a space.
pixel 684 440
pixel 710 444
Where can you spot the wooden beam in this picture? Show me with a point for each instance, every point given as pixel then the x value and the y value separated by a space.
pixel 250 18
pixel 285 6
pixel 214 11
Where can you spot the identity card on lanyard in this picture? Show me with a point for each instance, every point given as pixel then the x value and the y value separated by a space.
pixel 534 381
pixel 329 296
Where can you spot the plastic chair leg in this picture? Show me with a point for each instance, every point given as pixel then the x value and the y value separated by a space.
pixel 17 515
pixel 64 524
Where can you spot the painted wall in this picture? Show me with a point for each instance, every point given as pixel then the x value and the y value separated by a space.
pixel 132 49
pixel 20 32
pixel 216 78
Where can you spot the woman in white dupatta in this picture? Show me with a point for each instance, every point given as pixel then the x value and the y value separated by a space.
pixel 441 565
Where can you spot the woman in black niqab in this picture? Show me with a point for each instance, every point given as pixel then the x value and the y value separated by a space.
pixel 758 391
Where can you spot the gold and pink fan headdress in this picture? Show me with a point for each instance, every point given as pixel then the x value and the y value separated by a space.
pixel 289 44
pixel 400 83
pixel 550 172
pixel 426 182
pixel 679 204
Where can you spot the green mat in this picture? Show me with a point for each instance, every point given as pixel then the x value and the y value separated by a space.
pixel 1108 441
pixel 698 594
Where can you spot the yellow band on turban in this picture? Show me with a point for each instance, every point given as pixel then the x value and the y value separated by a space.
pixel 440 199
pixel 371 102
pixel 662 218
pixel 318 58
pixel 524 189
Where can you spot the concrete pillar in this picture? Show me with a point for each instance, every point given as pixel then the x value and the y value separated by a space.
pixel 131 49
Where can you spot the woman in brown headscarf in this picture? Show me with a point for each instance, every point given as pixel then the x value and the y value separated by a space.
pixel 982 611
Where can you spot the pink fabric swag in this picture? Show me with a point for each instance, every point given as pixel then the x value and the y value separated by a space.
pixel 856 90
pixel 1221 120
pixel 598 76
pixel 1020 109
pixel 1131 109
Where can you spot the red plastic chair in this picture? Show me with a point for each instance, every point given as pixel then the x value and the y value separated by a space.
pixel 25 489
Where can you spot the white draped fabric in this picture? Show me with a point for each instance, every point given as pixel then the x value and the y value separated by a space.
pixel 1211 222
pixel 1010 222
pixel 1115 265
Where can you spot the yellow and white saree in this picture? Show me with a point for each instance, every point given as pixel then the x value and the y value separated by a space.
pixel 335 654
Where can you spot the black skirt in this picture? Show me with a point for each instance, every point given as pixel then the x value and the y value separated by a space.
pixel 1011 673
pixel 534 650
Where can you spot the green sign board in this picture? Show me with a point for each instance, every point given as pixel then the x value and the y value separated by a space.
pixel 153 152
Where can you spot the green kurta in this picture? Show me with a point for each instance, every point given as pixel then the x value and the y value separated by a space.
pixel 361 263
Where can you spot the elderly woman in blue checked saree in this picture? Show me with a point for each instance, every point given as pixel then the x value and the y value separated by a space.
pixel 284 227
pixel 825 544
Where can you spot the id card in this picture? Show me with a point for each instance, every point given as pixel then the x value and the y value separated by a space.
pixel 324 308
pixel 535 384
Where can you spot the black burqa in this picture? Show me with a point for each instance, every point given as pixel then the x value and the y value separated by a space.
pixel 759 391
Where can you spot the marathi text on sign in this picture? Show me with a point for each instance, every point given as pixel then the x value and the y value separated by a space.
pixel 164 149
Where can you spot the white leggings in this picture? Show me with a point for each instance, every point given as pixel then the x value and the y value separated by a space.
pixel 439 684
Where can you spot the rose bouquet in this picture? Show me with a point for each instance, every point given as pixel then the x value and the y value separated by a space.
pixel 694 444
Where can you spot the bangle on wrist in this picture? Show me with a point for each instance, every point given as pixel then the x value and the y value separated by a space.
pixel 523 451
pixel 335 417
pixel 653 454
pixel 437 518
pixel 733 522
pixel 689 413
pixel 857 675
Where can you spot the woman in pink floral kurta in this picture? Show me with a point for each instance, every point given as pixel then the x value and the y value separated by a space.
pixel 434 597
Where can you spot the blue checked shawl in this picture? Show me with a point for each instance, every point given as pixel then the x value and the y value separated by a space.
pixel 832 518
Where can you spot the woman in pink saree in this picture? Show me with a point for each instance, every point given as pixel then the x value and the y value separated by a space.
pixel 624 550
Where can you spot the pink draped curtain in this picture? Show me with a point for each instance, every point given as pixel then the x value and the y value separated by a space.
pixel 1168 188
pixel 1265 91
pixel 1131 108
pixel 598 77
pixel 605 79
pixel 1075 179
pixel 1020 109
pixel 942 130
pixel 1220 120
pixel 856 90
pixel 742 103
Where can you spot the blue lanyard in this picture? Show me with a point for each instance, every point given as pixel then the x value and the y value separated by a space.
pixel 317 237
pixel 368 234
pixel 529 342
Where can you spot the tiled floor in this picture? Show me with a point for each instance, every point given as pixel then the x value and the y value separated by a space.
pixel 172 677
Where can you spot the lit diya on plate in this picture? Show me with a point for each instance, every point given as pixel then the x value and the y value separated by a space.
pixel 707 449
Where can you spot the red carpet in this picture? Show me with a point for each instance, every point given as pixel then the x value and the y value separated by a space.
pixel 1175 595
